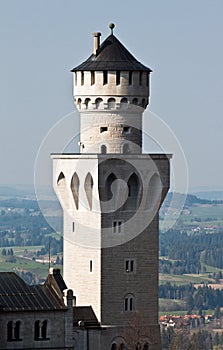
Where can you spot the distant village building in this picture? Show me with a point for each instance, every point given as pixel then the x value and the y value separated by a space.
pixel 111 193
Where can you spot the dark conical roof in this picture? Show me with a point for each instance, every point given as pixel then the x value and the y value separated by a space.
pixel 111 55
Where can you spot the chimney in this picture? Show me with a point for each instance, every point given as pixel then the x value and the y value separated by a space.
pixel 96 36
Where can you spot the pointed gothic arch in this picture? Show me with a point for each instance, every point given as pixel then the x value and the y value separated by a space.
pixel 108 186
pixel 134 192
pixel 62 190
pixel 88 186
pixel 75 189
pixel 153 195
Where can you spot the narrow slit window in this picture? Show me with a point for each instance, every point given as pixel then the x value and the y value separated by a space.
pixel 118 77
pixel 82 78
pixel 91 265
pixel 140 78
pixel 73 226
pixel 126 304
pixel 92 78
pixel 105 77
pixel 130 78
pixel 75 78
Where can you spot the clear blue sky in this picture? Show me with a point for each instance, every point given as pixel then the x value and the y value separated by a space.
pixel 180 40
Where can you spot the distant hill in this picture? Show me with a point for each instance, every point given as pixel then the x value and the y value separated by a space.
pixel 17 191
pixel 211 195
pixel 177 199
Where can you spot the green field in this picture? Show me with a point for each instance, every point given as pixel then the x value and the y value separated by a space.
pixel 24 263
pixel 184 279
pixel 203 215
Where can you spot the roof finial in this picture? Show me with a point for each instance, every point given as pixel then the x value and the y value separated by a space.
pixel 111 26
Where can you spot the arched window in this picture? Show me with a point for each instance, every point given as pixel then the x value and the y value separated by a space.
pixel 13 331
pixel 121 346
pixel 75 189
pixel 111 103
pixel 146 346
pixel 88 186
pixel 144 103
pixel 108 191
pixel 135 101
pixel 62 190
pixel 40 330
pixel 79 103
pixel 125 149
pixel 87 101
pixel 36 330
pixel 129 303
pixel 134 193
pixel 114 346
pixel 124 103
pixel 103 149
pixel 98 102
pixel 61 179
pixel 44 330
pixel 17 330
pixel 153 197
pixel 10 331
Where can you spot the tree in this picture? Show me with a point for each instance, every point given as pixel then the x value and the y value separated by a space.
pixel 4 251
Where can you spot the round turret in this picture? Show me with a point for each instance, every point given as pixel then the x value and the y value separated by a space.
pixel 111 91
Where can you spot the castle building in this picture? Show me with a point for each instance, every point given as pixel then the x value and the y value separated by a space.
pixel 111 193
pixel 38 316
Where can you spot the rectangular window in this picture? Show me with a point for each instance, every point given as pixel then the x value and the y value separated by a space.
pixel 117 226
pixel 130 78
pixel 126 130
pixel 92 78
pixel 103 129
pixel 82 78
pixel 129 265
pixel 140 78
pixel 91 265
pixel 118 77
pixel 126 304
pixel 105 77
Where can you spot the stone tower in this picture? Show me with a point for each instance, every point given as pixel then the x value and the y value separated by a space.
pixel 111 194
